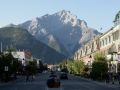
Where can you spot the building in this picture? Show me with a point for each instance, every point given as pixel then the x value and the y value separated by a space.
pixel 20 55
pixel 87 51
pixel 107 43
pixel 23 56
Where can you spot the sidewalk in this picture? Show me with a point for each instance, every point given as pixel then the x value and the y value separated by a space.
pixel 19 78
pixel 116 84
pixel 104 83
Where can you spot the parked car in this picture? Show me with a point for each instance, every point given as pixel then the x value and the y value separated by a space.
pixel 53 81
pixel 63 76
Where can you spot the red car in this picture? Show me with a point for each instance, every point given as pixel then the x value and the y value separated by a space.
pixel 53 81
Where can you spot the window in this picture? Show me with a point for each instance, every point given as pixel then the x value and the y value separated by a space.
pixel 109 38
pixel 106 41
pixel 81 54
pixel 103 42
pixel 115 35
pixel 100 43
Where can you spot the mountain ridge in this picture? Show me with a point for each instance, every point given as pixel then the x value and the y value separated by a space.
pixel 23 40
pixel 61 31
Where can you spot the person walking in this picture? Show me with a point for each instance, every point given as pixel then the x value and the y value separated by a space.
pixel 119 77
pixel 113 78
pixel 27 73
pixel 27 76
pixel 107 77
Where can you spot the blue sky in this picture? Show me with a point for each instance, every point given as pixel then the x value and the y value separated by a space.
pixel 97 13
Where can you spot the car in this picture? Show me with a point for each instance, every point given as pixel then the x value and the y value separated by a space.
pixel 52 72
pixel 45 71
pixel 53 81
pixel 64 76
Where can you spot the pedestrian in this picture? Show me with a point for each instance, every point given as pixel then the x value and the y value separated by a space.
pixel 27 73
pixel 119 77
pixel 107 77
pixel 33 77
pixel 27 76
pixel 113 78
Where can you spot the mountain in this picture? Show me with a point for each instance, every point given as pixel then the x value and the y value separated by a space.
pixel 61 31
pixel 22 39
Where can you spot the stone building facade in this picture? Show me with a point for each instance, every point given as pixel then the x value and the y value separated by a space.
pixel 107 43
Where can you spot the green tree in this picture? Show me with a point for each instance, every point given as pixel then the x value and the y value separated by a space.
pixel 86 72
pixel 31 68
pixel 41 66
pixel 99 67
pixel 69 67
pixel 5 66
pixel 63 66
pixel 75 67
pixel 8 66
pixel 16 67
pixel 78 67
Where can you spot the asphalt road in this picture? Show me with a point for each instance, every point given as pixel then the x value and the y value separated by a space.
pixel 74 83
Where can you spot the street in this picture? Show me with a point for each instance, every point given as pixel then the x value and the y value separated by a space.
pixel 74 83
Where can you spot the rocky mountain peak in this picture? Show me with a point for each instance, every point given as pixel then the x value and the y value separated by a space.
pixel 34 22
pixel 62 31
pixel 67 17
pixel 63 12
pixel 83 24
pixel 35 19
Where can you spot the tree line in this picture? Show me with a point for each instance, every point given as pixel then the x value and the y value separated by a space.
pixel 97 71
